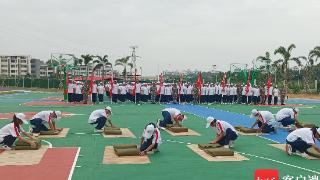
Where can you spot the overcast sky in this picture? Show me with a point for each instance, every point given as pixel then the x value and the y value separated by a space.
pixel 170 34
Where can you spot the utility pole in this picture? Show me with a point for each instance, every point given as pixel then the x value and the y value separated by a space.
pixel 134 56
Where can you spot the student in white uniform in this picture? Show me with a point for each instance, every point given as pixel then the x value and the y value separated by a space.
pixel 100 117
pixel 101 91
pixel 298 141
pixel 226 134
pixel 170 116
pixel 150 140
pixel 39 121
pixel 243 95
pixel 123 92
pixel 270 95
pixel 71 92
pixel 287 116
pixel 115 92
pixel 189 93
pixel 264 120
pixel 211 93
pixel 276 93
pixel 94 92
pixel 138 92
pixel 10 132
pixel 78 92
pixel 183 93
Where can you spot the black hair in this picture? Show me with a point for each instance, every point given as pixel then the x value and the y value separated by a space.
pixel 154 125
pixel 16 120
pixel 314 130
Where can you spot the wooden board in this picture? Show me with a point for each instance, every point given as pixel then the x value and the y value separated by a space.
pixel 126 133
pixel 283 148
pixel 22 157
pixel 110 157
pixel 197 150
pixel 248 134
pixel 189 133
pixel 62 134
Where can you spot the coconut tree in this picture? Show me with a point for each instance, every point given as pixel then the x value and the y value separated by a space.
pixel 266 60
pixel 315 54
pixel 284 61
pixel 101 61
pixel 87 58
pixel 124 62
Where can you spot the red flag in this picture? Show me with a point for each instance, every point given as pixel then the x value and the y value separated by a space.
pixel 180 84
pixel 223 82
pixel 91 83
pixel 269 83
pixel 161 84
pixel 111 85
pixel 199 82
pixel 248 82
pixel 67 83
pixel 133 93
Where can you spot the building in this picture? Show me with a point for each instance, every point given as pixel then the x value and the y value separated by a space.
pixel 35 67
pixel 45 71
pixel 15 65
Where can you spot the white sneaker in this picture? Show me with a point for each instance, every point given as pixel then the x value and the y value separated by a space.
pixel 158 123
pixel 231 144
pixel 162 128
pixel 304 155
pixel 5 147
pixel 98 130
pixel 289 149
pixel 35 134
pixel 30 129
pixel 226 146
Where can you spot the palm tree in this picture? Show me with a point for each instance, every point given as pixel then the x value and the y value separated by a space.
pixel 87 58
pixel 266 60
pixel 124 62
pixel 284 62
pixel 101 61
pixel 315 54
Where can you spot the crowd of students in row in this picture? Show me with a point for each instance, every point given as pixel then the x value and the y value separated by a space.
pixel 178 93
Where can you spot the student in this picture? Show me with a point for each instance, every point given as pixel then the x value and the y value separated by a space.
pixel 10 132
pixel 287 116
pixel 276 94
pixel 78 92
pixel 94 93
pixel 170 116
pixel 123 92
pixel 71 91
pixel 264 119
pixel 100 118
pixel 298 141
pixel 101 90
pixel 150 140
pixel 44 117
pixel 226 134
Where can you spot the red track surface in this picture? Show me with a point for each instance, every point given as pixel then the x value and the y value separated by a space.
pixel 53 103
pixel 56 164
pixel 29 115
pixel 292 105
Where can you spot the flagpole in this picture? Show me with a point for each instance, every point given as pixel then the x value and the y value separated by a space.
pixel 135 86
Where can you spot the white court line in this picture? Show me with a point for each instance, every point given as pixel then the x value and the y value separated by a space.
pixel 49 143
pixel 280 162
pixel 74 164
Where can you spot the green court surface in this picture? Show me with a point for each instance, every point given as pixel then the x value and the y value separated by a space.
pixel 175 159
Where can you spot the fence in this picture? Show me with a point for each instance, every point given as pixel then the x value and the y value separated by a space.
pixel 31 83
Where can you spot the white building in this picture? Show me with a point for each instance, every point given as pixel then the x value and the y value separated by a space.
pixel 45 70
pixel 15 65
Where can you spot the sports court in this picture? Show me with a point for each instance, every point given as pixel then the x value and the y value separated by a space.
pixel 80 154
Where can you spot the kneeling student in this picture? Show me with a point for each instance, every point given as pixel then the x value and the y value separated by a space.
pixel 45 117
pixel 170 116
pixel 226 134
pixel 150 139
pixel 287 116
pixel 265 121
pixel 100 118
pixel 298 141
pixel 10 132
